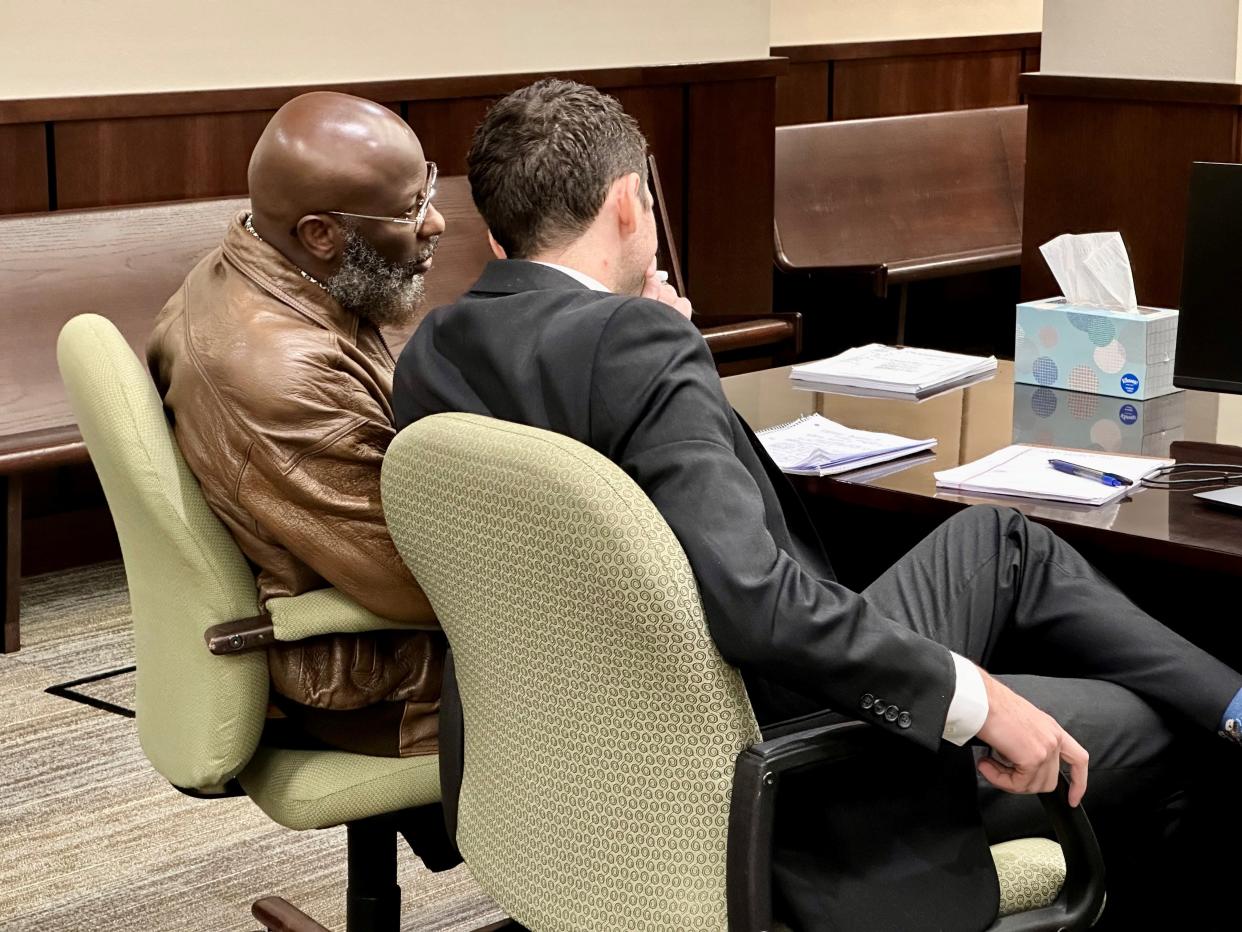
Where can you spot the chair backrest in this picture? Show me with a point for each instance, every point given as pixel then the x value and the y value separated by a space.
pixel 601 724
pixel 122 263
pixel 868 192
pixel 199 715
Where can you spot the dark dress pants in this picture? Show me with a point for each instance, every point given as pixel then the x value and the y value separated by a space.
pixel 1144 702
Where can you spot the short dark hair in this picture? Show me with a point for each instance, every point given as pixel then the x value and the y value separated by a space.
pixel 542 161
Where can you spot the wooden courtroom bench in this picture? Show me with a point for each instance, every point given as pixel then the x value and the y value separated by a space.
pixel 124 263
pixel 897 200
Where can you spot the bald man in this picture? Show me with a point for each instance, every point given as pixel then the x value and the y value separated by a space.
pixel 276 377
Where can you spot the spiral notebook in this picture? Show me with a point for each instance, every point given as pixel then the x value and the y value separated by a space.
pixel 815 446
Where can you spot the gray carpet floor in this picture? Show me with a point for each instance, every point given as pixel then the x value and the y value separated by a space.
pixel 92 839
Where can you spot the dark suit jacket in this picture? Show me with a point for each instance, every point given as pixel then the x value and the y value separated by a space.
pixel 634 380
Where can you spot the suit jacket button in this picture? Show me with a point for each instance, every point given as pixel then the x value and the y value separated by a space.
pixel 890 714
pixel 868 700
pixel 903 720
pixel 879 707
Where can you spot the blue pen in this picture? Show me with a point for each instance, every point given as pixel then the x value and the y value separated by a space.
pixel 1108 478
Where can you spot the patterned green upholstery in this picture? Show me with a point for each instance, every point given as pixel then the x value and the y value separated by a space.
pixel 199 715
pixel 311 789
pixel 1030 871
pixel 601 723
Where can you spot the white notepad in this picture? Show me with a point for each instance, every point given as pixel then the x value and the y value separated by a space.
pixel 1023 471
pixel 897 370
pixel 815 446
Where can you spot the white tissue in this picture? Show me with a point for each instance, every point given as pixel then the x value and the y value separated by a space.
pixel 1093 270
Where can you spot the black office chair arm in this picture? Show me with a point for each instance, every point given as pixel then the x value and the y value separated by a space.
pixel 756 782
pixel 1081 900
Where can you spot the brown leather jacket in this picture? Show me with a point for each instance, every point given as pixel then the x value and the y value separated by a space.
pixel 280 401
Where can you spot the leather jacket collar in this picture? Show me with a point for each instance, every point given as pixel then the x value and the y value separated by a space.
pixel 268 268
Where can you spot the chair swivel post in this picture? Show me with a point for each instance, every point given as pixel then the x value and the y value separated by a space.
pixel 373 898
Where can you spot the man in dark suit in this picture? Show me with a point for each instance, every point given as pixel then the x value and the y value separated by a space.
pixel 571 331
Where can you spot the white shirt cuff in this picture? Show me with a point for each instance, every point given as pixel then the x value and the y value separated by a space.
pixel 968 709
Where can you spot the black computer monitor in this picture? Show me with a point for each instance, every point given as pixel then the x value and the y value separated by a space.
pixel 1209 328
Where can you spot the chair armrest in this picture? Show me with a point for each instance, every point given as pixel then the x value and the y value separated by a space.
pixel 728 332
pixel 718 320
pixel 1081 899
pixel 876 274
pixel 756 781
pixel 296 617
pixel 326 611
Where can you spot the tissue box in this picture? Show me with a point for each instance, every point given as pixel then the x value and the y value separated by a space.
pixel 1127 354
pixel 1056 417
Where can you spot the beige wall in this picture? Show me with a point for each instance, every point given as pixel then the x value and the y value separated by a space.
pixel 807 22
pixel 1191 40
pixel 52 48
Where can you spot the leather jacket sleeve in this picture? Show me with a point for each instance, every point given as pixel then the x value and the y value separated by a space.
pixel 319 499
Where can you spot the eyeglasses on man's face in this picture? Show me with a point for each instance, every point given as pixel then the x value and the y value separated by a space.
pixel 424 204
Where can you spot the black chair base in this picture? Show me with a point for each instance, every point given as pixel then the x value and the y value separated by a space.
pixel 279 915
pixel 372 898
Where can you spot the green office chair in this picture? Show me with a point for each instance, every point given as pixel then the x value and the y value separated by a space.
pixel 200 714
pixel 609 773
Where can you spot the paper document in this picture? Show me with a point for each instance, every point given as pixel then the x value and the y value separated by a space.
pixel 1024 471
pixel 900 370
pixel 858 391
pixel 816 446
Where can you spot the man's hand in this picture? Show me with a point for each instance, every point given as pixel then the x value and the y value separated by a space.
pixel 1028 745
pixel 660 290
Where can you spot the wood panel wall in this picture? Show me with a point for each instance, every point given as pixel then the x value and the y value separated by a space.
pixel 721 233
pixel 709 125
pixel 23 168
pixel 854 80
pixel 1109 154
pixel 100 163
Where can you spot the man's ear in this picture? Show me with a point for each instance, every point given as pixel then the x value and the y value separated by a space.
pixel 319 236
pixel 497 250
pixel 627 199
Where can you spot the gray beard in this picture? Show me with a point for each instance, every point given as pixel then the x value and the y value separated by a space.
pixel 383 292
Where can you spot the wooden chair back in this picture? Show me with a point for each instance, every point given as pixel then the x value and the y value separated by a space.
pixel 866 193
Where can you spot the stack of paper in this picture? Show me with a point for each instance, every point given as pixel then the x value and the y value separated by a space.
pixel 905 370
pixel 1025 471
pixel 816 446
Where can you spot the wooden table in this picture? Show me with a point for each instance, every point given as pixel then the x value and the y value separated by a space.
pixel 1176 556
